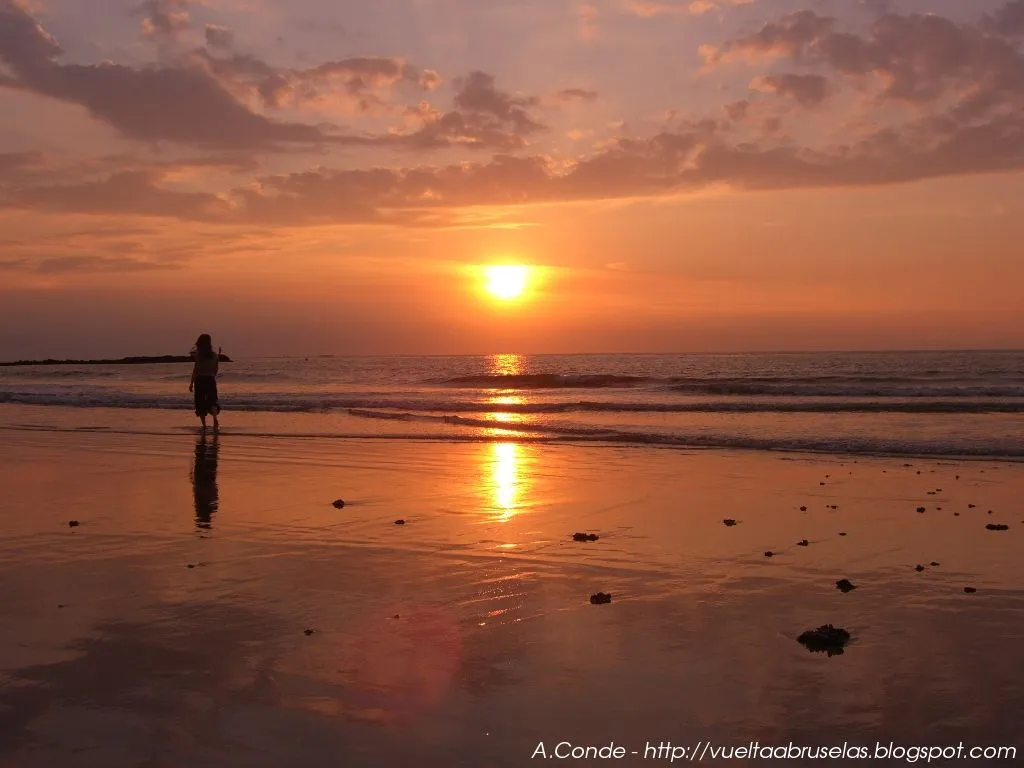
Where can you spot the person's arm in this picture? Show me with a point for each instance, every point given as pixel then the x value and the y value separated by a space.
pixel 216 361
pixel 192 381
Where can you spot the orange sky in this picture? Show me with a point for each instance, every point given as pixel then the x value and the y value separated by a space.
pixel 686 176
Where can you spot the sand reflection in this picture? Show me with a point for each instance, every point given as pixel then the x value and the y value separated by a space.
pixel 205 493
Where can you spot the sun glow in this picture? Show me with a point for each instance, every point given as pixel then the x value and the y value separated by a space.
pixel 506 282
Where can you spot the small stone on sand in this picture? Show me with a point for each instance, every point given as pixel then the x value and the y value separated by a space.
pixel 338 503
pixel 970 590
pixel 933 563
pixel 842 533
pixel 918 568
pixel 399 522
pixel 769 553
pixel 308 632
pixel 584 537
pixel 970 506
pixel 920 509
pixel 600 598
pixel 729 521
pixel 803 509
pixel 825 639
pixel 73 523
pixel 997 527
pixel 803 543
pixel 845 585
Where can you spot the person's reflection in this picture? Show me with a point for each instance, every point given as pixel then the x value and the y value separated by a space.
pixel 204 481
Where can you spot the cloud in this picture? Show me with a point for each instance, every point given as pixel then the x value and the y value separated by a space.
pixel 218 36
pixel 483 117
pixel 588 14
pixel 1007 20
pixel 477 94
pixel 149 104
pixel 164 18
pixel 59 265
pixel 918 57
pixel 806 90
pixel 575 94
pixel 358 78
pixel 129 192
pixel 940 98
pixel 651 8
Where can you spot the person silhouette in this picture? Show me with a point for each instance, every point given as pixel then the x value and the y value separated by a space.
pixel 204 481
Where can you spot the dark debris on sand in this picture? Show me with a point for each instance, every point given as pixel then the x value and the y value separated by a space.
pixel 803 509
pixel 919 568
pixel 803 543
pixel 825 639
pixel 308 632
pixel 73 523
pixel 600 598
pixel 585 537
pixel 845 585
pixel 997 527
pixel 769 553
pixel 729 521
pixel 338 503
pixel 970 590
pixel 399 522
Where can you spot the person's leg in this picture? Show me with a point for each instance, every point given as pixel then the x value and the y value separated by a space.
pixel 214 403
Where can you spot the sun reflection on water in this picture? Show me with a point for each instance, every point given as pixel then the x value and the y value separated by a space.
pixel 509 364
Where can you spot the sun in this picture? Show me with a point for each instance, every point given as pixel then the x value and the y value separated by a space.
pixel 506 282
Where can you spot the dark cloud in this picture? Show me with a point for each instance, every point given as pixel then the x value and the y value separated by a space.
pixel 920 57
pixel 66 264
pixel 201 100
pixel 806 90
pixel 476 94
pixel 219 37
pixel 151 104
pixel 1008 20
pixel 130 192
pixel 14 165
pixel 355 78
pixel 692 158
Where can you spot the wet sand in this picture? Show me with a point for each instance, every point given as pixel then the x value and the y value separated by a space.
pixel 466 636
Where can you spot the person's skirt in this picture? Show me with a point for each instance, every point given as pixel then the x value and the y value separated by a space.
pixel 206 396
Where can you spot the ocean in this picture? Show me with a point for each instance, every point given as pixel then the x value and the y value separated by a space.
pixel 957 404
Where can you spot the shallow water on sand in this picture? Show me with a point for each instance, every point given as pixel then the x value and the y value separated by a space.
pixel 466 636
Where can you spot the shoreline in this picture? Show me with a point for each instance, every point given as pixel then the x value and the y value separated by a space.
pixel 574 442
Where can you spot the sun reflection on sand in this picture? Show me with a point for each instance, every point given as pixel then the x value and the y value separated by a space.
pixel 505 482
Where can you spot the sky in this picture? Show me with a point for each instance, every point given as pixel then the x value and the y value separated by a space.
pixel 331 177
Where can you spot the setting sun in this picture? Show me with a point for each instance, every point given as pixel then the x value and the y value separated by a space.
pixel 506 282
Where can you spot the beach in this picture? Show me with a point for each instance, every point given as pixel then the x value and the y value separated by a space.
pixel 212 607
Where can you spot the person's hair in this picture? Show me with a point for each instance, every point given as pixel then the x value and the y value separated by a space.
pixel 204 346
